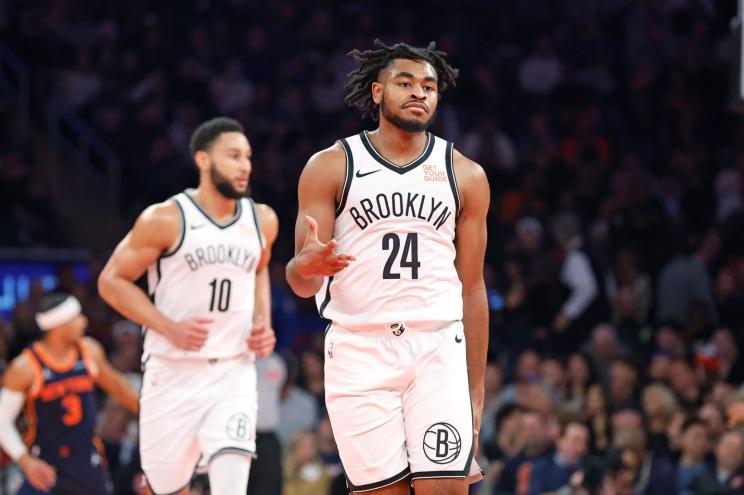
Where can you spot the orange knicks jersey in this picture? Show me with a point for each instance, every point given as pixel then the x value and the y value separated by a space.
pixel 61 412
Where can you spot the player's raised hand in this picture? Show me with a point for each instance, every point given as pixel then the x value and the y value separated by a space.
pixel 317 258
pixel 262 340
pixel 39 474
pixel 189 335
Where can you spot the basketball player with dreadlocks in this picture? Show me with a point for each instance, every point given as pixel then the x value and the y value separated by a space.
pixel 390 239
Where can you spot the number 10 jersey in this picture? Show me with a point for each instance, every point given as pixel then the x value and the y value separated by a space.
pixel 209 273
pixel 399 223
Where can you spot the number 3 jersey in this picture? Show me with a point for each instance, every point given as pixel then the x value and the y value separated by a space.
pixel 399 223
pixel 209 273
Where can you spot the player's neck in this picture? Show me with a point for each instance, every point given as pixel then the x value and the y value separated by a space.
pixel 56 347
pixel 218 206
pixel 397 145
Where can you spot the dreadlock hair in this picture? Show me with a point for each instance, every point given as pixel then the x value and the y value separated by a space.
pixel 371 62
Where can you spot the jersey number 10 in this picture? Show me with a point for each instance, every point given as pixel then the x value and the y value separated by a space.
pixel 408 259
pixel 220 295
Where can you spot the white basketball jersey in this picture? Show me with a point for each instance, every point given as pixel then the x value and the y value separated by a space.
pixel 209 273
pixel 399 223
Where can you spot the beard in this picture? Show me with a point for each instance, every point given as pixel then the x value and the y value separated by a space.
pixel 408 125
pixel 223 185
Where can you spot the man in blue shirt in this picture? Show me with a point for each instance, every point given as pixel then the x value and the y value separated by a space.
pixel 552 474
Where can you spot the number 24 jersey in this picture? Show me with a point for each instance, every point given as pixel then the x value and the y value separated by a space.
pixel 399 223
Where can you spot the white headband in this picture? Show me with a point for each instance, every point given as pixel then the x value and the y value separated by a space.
pixel 59 315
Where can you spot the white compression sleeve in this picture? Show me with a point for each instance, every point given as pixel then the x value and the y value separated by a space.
pixel 228 474
pixel 11 403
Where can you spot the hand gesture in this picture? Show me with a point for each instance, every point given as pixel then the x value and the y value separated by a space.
pixel 318 259
pixel 38 473
pixel 189 335
pixel 262 340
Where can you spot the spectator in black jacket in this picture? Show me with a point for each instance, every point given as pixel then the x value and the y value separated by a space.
pixel 728 477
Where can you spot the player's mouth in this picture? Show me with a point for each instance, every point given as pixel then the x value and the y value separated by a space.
pixel 417 107
pixel 241 182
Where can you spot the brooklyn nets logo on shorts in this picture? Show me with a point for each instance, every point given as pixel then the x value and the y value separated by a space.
pixel 237 427
pixel 442 443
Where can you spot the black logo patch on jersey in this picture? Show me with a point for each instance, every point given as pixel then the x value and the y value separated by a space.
pixel 442 443
pixel 458 339
pixel 398 328
pixel 361 174
pixel 237 427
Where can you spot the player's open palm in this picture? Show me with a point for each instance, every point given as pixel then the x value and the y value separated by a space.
pixel 39 474
pixel 317 258
pixel 262 340
pixel 191 334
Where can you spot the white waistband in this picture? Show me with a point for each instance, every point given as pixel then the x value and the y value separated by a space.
pixel 397 328
pixel 188 361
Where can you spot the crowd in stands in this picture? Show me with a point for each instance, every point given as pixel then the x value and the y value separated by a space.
pixel 615 265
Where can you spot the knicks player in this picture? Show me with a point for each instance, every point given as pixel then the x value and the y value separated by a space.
pixel 406 349
pixel 55 379
pixel 205 318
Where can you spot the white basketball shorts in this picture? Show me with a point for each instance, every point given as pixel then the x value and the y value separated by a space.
pixel 191 411
pixel 399 402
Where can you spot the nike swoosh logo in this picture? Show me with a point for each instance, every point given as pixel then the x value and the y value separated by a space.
pixel 194 227
pixel 361 174
pixel 458 339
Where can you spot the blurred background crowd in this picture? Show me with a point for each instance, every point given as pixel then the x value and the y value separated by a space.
pixel 615 265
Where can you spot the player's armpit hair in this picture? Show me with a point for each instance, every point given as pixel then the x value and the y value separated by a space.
pixel 372 61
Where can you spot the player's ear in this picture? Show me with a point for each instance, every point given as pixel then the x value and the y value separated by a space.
pixel 202 160
pixel 376 92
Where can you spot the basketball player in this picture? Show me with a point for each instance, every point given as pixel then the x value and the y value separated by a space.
pixel 55 378
pixel 405 292
pixel 206 252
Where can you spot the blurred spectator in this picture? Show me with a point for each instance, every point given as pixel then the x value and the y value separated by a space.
pixel 683 281
pixel 623 385
pixel 553 473
pixel 602 348
pixel 727 477
pixel 659 407
pixel 541 71
pixel 657 475
pixel 304 472
pixel 494 381
pixel 692 458
pixel 516 476
pixel 299 410
pixel 598 419
pixel 266 470
pixel 577 314
pixel 628 289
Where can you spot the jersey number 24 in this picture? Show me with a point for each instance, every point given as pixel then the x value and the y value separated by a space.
pixel 408 259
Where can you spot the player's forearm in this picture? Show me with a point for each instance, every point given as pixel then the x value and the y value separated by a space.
pixel 132 302
pixel 123 392
pixel 262 304
pixel 475 321
pixel 303 287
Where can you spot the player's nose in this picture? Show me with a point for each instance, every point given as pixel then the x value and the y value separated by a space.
pixel 417 92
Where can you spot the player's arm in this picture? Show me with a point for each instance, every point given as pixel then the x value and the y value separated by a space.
pixel 262 339
pixel 156 230
pixel 470 243
pixel 110 379
pixel 19 379
pixel 318 192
